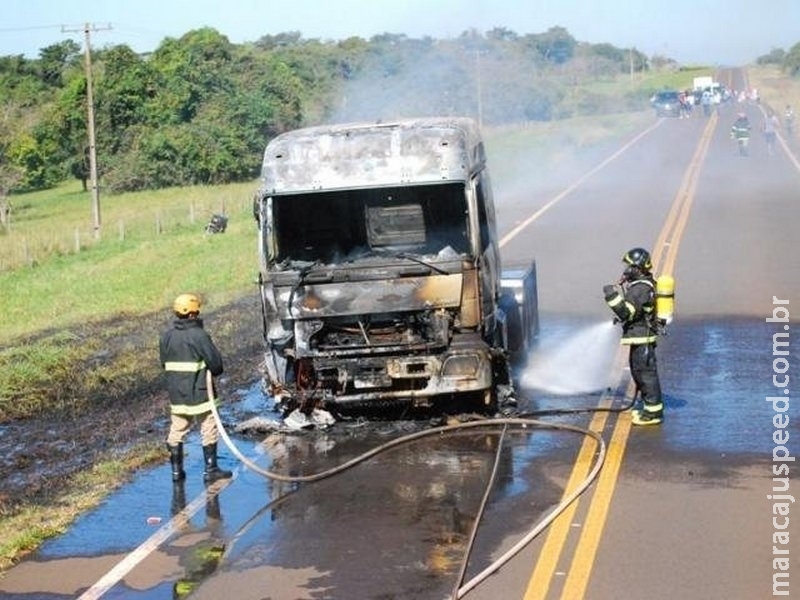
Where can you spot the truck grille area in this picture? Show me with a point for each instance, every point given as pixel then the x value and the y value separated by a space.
pixel 357 375
pixel 369 334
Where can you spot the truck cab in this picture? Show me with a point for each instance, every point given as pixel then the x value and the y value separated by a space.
pixel 380 276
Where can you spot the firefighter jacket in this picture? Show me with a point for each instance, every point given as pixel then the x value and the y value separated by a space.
pixel 740 129
pixel 634 305
pixel 187 352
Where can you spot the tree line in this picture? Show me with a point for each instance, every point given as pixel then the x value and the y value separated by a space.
pixel 200 109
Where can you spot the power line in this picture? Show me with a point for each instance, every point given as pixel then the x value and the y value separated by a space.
pixel 29 28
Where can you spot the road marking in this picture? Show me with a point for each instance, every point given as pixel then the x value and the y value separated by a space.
pixel 667 249
pixel 539 584
pixel 151 544
pixel 583 560
pixel 516 230
pixel 671 233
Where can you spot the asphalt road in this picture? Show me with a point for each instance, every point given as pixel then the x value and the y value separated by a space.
pixel 677 511
pixel 687 515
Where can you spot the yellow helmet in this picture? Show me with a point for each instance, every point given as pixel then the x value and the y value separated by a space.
pixel 186 304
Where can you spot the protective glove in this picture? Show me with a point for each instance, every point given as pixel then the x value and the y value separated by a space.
pixel 609 291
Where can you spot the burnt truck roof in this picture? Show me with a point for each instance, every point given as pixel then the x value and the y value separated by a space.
pixel 354 155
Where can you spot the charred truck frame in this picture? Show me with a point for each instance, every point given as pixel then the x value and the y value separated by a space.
pixel 380 275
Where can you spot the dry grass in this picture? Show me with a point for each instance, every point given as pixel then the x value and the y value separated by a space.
pixel 775 88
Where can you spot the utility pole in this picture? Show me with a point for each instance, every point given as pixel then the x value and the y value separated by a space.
pixel 630 60
pixel 479 85
pixel 87 29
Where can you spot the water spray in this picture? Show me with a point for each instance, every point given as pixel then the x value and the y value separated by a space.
pixel 574 363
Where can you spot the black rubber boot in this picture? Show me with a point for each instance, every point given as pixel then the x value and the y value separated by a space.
pixel 176 459
pixel 212 471
pixel 178 497
pixel 213 511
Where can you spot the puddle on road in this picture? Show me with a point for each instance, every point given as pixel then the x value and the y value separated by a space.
pixel 716 375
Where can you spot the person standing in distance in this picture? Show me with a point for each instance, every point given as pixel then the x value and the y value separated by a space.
pixel 187 353
pixel 771 126
pixel 633 302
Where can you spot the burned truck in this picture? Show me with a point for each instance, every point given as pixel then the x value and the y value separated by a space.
pixel 380 275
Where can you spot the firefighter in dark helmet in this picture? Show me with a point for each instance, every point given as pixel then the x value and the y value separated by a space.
pixel 633 302
pixel 187 354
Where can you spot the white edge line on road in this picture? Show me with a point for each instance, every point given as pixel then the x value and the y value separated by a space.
pixel 514 232
pixel 126 565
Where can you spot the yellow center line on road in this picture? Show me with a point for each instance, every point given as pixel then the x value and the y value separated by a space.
pixel 550 553
pixel 666 248
pixel 672 232
pixel 539 584
pixel 583 561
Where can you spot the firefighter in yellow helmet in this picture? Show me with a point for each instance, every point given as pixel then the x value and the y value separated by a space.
pixel 633 301
pixel 187 352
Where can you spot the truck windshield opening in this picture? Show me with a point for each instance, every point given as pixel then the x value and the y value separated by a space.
pixel 345 225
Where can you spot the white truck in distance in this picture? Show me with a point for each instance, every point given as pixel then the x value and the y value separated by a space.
pixel 703 83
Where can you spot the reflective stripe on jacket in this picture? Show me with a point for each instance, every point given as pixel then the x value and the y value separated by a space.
pixel 634 306
pixel 740 129
pixel 187 352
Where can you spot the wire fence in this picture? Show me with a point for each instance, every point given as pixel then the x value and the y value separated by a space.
pixel 26 244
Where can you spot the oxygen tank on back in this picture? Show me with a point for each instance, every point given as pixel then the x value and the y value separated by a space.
pixel 665 299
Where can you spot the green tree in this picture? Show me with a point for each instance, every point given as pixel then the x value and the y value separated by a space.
pixel 200 109
pixel 63 129
pixel 791 64
pixel 190 69
pixel 10 172
pixel 55 59
pixel 776 56
pixel 124 90
pixel 555 46
pixel 20 83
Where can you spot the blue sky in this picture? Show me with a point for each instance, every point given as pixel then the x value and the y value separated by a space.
pixel 728 32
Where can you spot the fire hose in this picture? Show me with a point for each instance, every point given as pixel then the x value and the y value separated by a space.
pixel 505 422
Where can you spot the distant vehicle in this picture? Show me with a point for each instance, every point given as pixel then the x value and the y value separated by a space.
pixel 667 103
pixel 704 83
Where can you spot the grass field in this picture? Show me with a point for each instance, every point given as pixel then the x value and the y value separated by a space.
pixel 152 246
pixel 776 90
